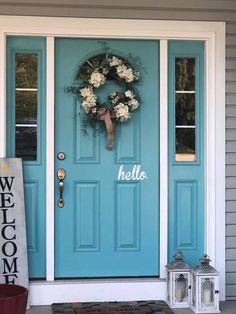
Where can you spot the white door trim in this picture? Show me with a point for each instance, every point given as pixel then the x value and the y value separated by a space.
pixel 50 171
pixel 163 156
pixel 213 33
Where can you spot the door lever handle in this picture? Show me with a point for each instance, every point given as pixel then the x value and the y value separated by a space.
pixel 61 176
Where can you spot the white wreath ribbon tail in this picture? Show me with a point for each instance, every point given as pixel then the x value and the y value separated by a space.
pixel 104 115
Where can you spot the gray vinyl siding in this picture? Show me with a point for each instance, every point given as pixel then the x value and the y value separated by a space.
pixel 231 159
pixel 201 10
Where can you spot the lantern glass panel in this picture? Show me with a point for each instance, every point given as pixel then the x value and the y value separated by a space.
pixel 180 288
pixel 207 293
pixel 194 291
pixel 168 285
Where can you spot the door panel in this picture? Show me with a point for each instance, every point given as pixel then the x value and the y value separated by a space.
pixel 108 226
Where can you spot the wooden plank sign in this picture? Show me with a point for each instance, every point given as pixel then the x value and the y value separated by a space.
pixel 13 249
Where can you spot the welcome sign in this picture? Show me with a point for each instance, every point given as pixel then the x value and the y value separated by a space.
pixel 13 250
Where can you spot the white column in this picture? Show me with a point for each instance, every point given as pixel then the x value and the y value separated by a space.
pixel 50 160
pixel 163 156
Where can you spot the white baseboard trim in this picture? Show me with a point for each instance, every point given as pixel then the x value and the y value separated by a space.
pixel 46 293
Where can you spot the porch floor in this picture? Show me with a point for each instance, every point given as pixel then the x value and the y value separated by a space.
pixel 227 307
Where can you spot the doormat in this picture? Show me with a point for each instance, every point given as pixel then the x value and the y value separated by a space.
pixel 134 307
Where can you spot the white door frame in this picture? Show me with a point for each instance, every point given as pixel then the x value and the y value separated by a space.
pixel 213 33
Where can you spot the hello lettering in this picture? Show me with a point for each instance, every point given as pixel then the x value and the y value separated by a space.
pixel 135 174
pixel 8 230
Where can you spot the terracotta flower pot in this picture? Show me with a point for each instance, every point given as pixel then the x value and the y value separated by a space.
pixel 13 299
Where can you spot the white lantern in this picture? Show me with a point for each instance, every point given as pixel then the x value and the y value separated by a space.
pixel 205 298
pixel 178 282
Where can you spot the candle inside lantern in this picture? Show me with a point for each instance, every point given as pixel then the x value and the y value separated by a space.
pixel 180 291
pixel 178 294
pixel 206 297
pixel 207 292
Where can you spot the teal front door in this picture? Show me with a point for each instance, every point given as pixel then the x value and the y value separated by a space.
pixel 109 224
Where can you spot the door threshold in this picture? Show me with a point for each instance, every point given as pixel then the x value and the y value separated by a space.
pixel 93 290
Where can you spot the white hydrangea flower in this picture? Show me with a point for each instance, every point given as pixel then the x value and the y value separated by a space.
pixel 97 79
pixel 89 98
pixel 133 103
pixel 129 94
pixel 122 112
pixel 129 76
pixel 92 100
pixel 114 61
pixel 86 91
pixel 125 73
pixel 86 106
pixel 121 70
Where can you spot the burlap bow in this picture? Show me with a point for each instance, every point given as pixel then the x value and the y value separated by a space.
pixel 103 114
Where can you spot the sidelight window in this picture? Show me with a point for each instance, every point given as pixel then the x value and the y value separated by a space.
pixel 26 92
pixel 185 128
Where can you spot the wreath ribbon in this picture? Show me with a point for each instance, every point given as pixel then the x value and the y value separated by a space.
pixel 103 114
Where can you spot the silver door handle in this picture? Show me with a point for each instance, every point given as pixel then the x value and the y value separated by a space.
pixel 61 176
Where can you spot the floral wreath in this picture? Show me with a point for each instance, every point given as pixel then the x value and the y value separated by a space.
pixel 121 104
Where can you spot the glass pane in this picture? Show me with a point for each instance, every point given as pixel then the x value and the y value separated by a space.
pixel 26 107
pixel 180 288
pixel 26 142
pixel 185 144
pixel 26 70
pixel 89 66
pixel 207 292
pixel 185 109
pixel 185 74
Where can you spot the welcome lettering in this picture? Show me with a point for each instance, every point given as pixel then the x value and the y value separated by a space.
pixel 8 231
